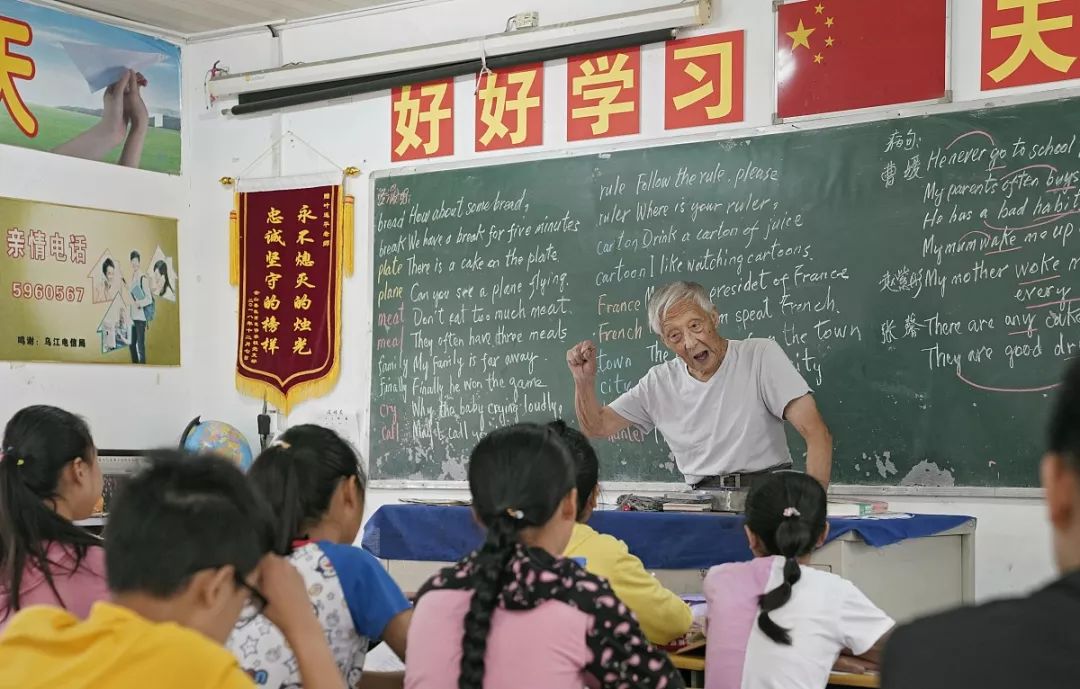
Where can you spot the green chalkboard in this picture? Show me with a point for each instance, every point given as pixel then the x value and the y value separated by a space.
pixel 920 272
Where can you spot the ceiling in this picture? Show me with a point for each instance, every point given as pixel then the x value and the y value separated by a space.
pixel 196 16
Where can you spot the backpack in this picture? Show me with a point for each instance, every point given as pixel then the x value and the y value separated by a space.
pixel 139 294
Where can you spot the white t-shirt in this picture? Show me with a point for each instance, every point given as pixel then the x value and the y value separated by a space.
pixel 732 422
pixel 825 615
pixel 354 600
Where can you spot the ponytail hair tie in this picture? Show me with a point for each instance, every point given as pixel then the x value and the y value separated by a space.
pixel 791 512
pixel 280 443
pixel 9 453
pixel 516 515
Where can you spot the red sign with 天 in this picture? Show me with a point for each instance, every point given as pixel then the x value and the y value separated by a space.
pixel 1029 42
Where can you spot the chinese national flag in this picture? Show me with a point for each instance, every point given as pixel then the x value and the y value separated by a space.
pixel 1029 42
pixel 847 54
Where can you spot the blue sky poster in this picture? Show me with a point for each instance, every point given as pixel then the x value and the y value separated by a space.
pixel 75 86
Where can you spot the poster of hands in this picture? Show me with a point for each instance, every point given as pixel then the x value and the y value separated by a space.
pixel 82 88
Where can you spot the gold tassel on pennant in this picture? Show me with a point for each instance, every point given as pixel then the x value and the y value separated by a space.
pixel 347 239
pixel 289 384
pixel 234 241
pixel 262 390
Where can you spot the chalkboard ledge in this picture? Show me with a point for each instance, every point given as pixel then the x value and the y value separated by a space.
pixel 838 490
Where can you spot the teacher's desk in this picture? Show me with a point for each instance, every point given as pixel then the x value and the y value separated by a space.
pixel 908 564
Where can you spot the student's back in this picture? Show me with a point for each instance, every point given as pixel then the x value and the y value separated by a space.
pixel 354 600
pixel 825 614
pixel 49 648
pixel 188 546
pixel 1027 642
pixel 774 622
pixel 49 474
pixel 540 627
pixel 515 613
pixel 76 584
pixel 1012 644
pixel 663 615
pixel 314 484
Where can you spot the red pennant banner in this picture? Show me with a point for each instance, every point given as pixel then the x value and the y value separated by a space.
pixel 290 252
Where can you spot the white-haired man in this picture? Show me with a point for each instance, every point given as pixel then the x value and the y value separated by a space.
pixel 720 405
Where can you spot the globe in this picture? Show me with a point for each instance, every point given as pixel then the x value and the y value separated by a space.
pixel 219 438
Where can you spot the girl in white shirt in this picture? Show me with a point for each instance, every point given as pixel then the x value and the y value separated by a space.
pixel 775 622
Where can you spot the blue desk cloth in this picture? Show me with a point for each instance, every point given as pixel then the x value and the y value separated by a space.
pixel 663 540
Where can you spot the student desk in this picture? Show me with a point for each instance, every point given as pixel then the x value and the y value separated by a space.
pixel 694 664
pixel 908 564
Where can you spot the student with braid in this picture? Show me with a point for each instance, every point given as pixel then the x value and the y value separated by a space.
pixel 774 622
pixel 515 613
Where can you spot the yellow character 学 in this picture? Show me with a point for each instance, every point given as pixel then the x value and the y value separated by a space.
pixel 602 80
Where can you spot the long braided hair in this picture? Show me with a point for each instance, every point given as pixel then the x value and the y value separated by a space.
pixel 518 476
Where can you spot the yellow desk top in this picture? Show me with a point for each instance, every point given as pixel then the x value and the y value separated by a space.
pixel 689 661
pixel 844 679
pixel 696 663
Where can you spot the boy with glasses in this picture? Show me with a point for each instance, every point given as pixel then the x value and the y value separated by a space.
pixel 188 546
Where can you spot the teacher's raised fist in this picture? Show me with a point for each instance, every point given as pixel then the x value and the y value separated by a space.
pixel 581 358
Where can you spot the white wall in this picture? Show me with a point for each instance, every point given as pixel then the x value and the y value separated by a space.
pixel 126 406
pixel 219 148
pixel 1013 547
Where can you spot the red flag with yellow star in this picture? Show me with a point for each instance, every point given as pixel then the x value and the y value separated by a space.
pixel 847 54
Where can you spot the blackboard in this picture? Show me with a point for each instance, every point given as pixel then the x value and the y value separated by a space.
pixel 920 272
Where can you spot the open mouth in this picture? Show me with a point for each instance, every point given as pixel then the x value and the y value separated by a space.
pixel 701 357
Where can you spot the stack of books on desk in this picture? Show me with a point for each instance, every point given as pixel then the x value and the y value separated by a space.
pixel 687 502
pixel 856 507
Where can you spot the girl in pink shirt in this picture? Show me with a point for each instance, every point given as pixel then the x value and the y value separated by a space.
pixel 775 622
pixel 515 613
pixel 49 476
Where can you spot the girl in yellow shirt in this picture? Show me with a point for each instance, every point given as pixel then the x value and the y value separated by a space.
pixel 663 615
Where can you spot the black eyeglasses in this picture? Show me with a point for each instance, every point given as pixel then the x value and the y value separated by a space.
pixel 256 600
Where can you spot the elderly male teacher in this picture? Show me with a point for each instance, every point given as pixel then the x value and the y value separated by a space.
pixel 720 404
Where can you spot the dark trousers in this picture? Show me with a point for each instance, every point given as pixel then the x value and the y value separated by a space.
pixel 742 479
pixel 138 342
